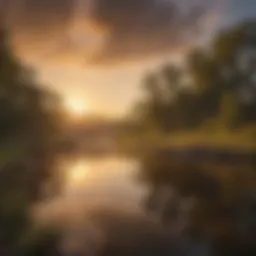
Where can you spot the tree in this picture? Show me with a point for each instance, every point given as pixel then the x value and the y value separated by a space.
pixel 156 102
pixel 235 53
pixel 221 84
pixel 28 135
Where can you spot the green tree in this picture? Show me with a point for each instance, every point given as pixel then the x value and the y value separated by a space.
pixel 234 51
pixel 221 84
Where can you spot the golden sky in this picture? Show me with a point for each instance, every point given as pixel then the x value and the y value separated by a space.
pixel 96 51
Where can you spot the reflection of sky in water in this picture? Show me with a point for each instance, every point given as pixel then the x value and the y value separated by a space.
pixel 97 192
pixel 93 184
pixel 110 179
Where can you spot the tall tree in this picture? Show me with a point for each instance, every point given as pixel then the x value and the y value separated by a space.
pixel 28 133
pixel 221 84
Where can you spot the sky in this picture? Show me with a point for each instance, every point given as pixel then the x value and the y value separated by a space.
pixel 95 53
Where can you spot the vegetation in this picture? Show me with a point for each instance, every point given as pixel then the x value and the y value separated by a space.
pixel 193 116
pixel 28 135
pixel 212 93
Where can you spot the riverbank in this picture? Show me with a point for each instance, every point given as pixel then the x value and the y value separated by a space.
pixel 243 139
pixel 239 140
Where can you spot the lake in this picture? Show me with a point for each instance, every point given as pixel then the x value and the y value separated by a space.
pixel 102 212
pixel 101 197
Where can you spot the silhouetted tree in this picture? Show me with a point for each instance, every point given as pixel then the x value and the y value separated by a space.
pixel 28 135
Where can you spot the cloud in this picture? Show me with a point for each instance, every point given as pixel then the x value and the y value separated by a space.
pixel 143 27
pixel 36 14
pixel 121 29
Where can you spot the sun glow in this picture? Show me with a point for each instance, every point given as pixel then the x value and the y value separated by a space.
pixel 76 108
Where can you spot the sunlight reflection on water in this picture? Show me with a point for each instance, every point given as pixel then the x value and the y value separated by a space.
pixel 107 186
pixel 111 178
pixel 94 182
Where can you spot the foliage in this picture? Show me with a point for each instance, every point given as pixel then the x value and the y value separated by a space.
pixel 29 124
pixel 214 83
pixel 206 108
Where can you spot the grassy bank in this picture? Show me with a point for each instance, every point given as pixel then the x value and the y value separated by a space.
pixel 244 139
pixel 238 139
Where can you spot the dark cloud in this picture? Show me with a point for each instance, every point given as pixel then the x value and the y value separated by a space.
pixel 135 28
pixel 142 27
pixel 36 14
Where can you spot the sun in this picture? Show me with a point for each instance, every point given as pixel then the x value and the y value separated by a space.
pixel 76 107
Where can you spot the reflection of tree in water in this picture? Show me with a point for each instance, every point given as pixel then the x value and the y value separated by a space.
pixel 214 202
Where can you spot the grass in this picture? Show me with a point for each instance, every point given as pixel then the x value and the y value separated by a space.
pixel 214 137
pixel 244 138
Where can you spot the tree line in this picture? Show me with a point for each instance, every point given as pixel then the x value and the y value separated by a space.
pixel 29 133
pixel 214 86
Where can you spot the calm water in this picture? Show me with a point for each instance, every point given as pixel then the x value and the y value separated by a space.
pixel 107 187
pixel 101 212
pixel 105 181
pixel 108 179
